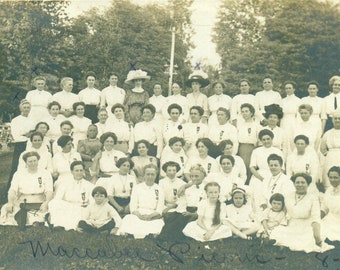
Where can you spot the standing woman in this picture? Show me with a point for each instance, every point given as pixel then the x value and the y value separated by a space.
pixel 136 98
pixel 80 122
pixel 303 230
pixel 273 114
pixel 218 100
pixel 194 130
pixel 39 99
pixel 148 130
pixel 332 101
pixel 91 97
pixel 123 130
pixel 247 131
pixel 239 100
pixel 146 206
pixel 290 106
pixel 142 159
pixel 159 101
pixel 112 94
pixel 176 98
pixel 304 125
pixel 104 124
pixel 197 80
pixel 66 98
pixel 330 147
pixel 319 116
pixel 21 128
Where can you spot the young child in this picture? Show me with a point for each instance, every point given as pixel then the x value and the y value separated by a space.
pixel 100 216
pixel 273 216
pixel 209 225
pixel 240 217
pixel 170 185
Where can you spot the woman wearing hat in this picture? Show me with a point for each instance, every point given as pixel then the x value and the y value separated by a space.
pixel 21 128
pixel 137 97
pixel 216 101
pixel 197 80
pixel 273 114
pixel 91 97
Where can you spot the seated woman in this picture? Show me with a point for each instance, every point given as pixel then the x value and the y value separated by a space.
pixel 88 148
pixel 100 216
pixel 146 206
pixel 211 214
pixel 186 211
pixel 71 199
pixel 173 126
pixel 36 145
pixel 104 162
pixel 240 217
pixel 142 159
pixel 204 147
pixel 330 207
pixel 226 178
pixel 170 185
pixel 62 160
pixel 303 209
pixel 239 168
pixel 119 186
pixel 176 154
pixel 28 197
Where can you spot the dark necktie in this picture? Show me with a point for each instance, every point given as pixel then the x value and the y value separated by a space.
pixel 335 103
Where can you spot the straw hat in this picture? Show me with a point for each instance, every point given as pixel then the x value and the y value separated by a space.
pixel 136 74
pixel 198 76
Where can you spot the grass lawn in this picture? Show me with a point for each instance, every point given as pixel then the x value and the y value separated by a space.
pixel 41 248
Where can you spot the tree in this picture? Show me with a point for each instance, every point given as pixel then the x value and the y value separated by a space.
pixel 288 39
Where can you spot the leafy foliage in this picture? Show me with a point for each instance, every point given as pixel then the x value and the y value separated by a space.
pixel 290 40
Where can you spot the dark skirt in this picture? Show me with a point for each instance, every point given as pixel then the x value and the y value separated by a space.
pixel 244 151
pixel 329 123
pixel 19 147
pixel 91 112
pixel 122 201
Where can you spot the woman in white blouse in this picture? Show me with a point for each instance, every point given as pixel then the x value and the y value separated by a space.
pixel 176 98
pixel 159 101
pixel 319 115
pixel 80 123
pixel 91 97
pixel 146 206
pixel 216 101
pixel 29 194
pixel 123 130
pixel 173 127
pixel 239 100
pixel 54 119
pixel 150 131
pixel 104 163
pixel 69 204
pixel 61 160
pixel 39 99
pixel 290 106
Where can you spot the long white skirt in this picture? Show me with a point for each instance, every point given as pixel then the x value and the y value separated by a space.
pixel 298 236
pixel 330 227
pixel 194 231
pixel 65 214
pixel 140 228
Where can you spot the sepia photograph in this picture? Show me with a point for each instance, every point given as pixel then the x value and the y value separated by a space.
pixel 169 134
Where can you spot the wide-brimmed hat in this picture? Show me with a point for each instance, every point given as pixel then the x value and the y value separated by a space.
pixel 198 76
pixel 273 109
pixel 136 74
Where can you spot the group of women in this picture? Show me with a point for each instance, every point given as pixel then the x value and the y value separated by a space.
pixel 206 167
